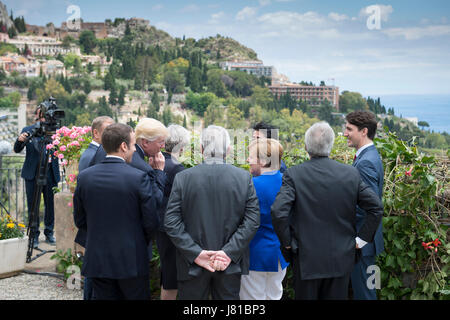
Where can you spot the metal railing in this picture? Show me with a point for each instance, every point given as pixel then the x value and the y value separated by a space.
pixel 12 187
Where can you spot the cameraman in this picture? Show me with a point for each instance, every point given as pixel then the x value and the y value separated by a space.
pixel 30 167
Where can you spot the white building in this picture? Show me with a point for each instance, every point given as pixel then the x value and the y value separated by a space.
pixel 44 46
pixel 254 67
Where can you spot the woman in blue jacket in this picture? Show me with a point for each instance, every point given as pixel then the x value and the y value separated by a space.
pixel 267 264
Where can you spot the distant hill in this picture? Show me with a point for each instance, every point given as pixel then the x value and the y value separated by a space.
pixel 221 48
pixel 216 48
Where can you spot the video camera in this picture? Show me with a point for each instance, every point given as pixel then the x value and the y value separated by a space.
pixel 52 115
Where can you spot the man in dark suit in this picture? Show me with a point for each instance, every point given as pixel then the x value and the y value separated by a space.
pixel 150 139
pixel 360 130
pixel 98 125
pixel 29 170
pixel 212 215
pixel 314 217
pixel 114 204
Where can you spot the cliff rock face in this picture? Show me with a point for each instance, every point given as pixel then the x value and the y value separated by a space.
pixel 4 16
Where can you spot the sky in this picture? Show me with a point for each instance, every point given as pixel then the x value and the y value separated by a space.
pixel 375 48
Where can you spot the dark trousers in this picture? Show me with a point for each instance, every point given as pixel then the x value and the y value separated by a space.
pixel 359 278
pixel 322 289
pixel 49 214
pixel 121 289
pixel 87 290
pixel 319 289
pixel 217 284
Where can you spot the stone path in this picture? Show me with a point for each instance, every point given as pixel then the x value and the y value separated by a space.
pixel 38 287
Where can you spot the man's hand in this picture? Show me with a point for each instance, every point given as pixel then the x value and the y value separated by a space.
pixel 157 161
pixel 220 261
pixel 23 137
pixel 204 258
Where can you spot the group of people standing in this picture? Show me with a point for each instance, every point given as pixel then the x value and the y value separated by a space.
pixel 223 232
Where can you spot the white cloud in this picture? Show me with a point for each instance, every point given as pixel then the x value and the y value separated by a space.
pixel 157 7
pixel 414 33
pixel 246 13
pixel 216 17
pixel 385 11
pixel 264 3
pixel 292 19
pixel 337 17
pixel 190 8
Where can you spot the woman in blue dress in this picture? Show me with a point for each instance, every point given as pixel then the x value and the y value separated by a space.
pixel 267 264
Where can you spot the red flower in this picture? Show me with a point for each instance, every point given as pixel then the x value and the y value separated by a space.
pixel 408 172
pixel 436 242
pixel 427 245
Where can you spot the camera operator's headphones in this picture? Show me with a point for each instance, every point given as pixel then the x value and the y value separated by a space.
pixel 37 117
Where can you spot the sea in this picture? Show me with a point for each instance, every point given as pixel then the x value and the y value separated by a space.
pixel 432 108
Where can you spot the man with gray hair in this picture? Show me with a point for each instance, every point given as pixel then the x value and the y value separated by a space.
pixel 314 216
pixel 212 215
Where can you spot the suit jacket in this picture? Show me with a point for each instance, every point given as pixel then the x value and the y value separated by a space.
pixel 31 163
pixel 87 156
pixel 156 187
pixel 321 228
pixel 157 177
pixel 213 206
pixel 171 168
pixel 114 205
pixel 371 170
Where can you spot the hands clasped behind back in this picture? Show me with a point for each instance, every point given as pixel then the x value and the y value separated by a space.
pixel 213 260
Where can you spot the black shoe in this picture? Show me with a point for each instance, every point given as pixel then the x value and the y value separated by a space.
pixel 50 239
pixel 36 244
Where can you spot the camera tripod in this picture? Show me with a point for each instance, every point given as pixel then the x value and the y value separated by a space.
pixel 40 183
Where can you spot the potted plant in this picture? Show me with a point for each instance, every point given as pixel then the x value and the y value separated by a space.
pixel 13 246
pixel 68 145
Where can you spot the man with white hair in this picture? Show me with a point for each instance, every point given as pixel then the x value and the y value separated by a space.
pixel 314 216
pixel 212 215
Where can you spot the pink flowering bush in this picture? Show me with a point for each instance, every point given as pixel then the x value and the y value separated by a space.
pixel 68 145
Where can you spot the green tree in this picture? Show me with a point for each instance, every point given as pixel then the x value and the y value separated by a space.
pixel 173 81
pixel 87 86
pixel 351 101
pixel 71 60
pixel 87 41
pixel 109 81
pixel 214 114
pixel 155 100
pixel 423 124
pixel 262 97
pixel 121 98
pixel 235 118
pixel 196 79
pixel 215 83
pixel 167 116
pixel 113 96
pixel 199 101
pixel 103 108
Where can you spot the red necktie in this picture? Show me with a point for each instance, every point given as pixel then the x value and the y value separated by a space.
pixel 354 158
